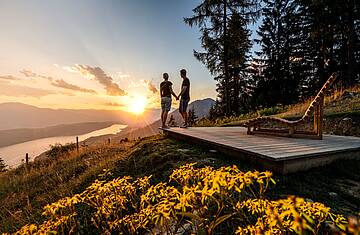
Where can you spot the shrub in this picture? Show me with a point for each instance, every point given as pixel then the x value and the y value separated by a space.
pixel 271 111
pixel 57 150
pixel 3 166
pixel 199 200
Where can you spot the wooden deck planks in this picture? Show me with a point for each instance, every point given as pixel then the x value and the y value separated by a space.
pixel 276 149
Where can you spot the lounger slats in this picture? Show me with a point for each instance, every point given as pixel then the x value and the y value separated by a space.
pixel 315 106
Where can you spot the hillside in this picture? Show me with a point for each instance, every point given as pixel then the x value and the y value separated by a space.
pixel 341 113
pixel 18 115
pixel 24 192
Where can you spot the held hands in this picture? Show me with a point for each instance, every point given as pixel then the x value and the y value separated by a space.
pixel 177 97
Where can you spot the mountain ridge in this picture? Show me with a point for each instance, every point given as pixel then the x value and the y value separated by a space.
pixel 15 115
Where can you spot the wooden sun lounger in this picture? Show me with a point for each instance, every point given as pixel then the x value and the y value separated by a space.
pixel 291 127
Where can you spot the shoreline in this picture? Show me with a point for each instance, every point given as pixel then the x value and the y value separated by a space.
pixel 17 136
pixel 13 154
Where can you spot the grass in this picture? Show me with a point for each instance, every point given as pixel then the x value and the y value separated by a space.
pixel 23 193
pixel 336 105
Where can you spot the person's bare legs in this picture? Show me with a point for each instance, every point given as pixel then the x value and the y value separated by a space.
pixel 164 118
pixel 184 116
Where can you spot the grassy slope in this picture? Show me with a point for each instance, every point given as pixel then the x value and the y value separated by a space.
pixel 24 193
pixel 337 106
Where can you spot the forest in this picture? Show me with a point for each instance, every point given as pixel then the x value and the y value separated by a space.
pixel 298 44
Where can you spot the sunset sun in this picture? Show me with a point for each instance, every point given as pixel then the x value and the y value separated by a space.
pixel 137 105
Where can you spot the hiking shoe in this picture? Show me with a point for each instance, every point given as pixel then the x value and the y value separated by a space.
pixel 184 126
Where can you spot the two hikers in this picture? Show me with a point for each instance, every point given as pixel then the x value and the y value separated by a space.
pixel 166 91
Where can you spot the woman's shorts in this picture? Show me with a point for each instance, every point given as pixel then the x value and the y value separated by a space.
pixel 165 104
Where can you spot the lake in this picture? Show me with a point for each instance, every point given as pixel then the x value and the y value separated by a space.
pixel 13 154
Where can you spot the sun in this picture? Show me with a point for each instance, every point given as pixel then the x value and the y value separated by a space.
pixel 137 105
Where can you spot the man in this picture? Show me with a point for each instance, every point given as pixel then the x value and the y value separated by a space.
pixel 165 92
pixel 185 97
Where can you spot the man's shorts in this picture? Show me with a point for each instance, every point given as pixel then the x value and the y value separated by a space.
pixel 183 105
pixel 165 104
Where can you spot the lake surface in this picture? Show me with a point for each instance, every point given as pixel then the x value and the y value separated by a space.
pixel 13 154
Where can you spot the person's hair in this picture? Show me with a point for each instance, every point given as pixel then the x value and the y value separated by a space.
pixel 183 72
pixel 165 76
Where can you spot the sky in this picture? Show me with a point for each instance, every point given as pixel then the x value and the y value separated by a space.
pixel 99 54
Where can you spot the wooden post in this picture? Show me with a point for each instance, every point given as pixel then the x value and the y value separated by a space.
pixel 291 130
pixel 27 158
pixel 321 116
pixel 77 144
pixel 316 114
pixel 109 141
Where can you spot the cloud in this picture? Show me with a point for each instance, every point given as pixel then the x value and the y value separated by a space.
pixel 99 75
pixel 12 90
pixel 9 77
pixel 114 104
pixel 70 69
pixel 57 82
pixel 29 73
pixel 63 84
pixel 151 87
pixel 123 75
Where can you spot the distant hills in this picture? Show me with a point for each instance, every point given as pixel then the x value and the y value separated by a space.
pixel 20 122
pixel 18 115
pixel 201 108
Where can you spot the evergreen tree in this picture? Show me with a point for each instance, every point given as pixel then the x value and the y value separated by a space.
pixel 225 40
pixel 319 29
pixel 333 42
pixel 192 118
pixel 347 40
pixel 280 57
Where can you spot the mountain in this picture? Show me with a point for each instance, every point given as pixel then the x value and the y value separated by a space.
pixel 201 108
pixel 18 115
pixel 21 122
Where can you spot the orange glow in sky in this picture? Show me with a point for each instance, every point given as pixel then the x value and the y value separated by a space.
pixel 137 105
pixel 56 54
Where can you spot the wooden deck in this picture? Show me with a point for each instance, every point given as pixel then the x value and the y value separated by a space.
pixel 279 154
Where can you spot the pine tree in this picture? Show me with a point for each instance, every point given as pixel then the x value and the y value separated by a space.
pixel 280 57
pixel 333 42
pixel 3 166
pixel 347 44
pixel 192 118
pixel 225 40
pixel 319 29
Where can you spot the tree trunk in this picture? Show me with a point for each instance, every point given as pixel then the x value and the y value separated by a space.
pixel 226 65
pixel 350 42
